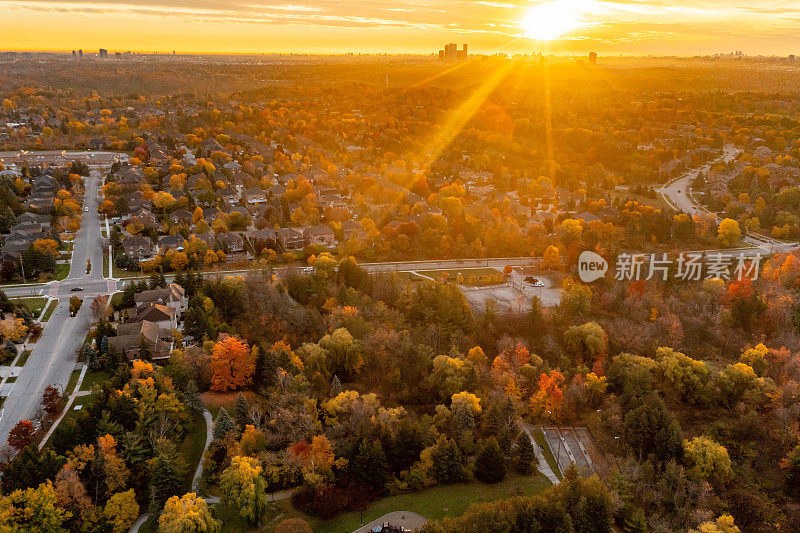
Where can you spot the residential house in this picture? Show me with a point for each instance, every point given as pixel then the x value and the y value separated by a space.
pixel 231 242
pixel 132 337
pixel 181 216
pixel 139 247
pixel 262 238
pixel 291 239
pixel 173 295
pixel 322 235
pixel 170 242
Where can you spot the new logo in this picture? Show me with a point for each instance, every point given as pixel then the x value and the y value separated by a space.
pixel 591 266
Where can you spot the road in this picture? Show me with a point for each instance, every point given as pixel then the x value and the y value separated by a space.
pixel 679 195
pixel 53 357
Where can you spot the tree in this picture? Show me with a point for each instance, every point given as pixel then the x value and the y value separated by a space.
pixel 13 328
pixel 708 458
pixel 490 464
pixel 32 511
pixel 165 480
pixel 121 511
pixel 524 455
pixel 99 307
pixel 187 514
pixel 446 462
pixel 723 524
pixel 369 464
pixel 21 435
pixel 242 487
pixel 51 401
pixel 230 364
pixel 74 305
pixel 114 468
pixel 192 399
pixel 651 429
pixel 241 411
pixel 551 259
pixel 223 425
pixel 585 343
pixel 728 232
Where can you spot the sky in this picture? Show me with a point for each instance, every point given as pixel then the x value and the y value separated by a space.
pixel 630 27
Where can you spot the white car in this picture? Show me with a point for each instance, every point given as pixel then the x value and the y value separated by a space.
pixel 86 209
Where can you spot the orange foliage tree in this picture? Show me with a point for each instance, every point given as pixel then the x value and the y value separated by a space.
pixel 230 364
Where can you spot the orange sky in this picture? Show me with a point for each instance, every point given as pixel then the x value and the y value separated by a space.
pixel 659 27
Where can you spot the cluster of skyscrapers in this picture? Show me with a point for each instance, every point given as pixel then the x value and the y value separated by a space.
pixel 452 53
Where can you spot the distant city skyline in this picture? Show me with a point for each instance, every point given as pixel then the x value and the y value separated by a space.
pixel 629 27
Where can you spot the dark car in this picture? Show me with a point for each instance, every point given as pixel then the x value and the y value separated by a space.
pixel 76 289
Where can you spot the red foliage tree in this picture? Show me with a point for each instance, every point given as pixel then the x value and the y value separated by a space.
pixel 21 435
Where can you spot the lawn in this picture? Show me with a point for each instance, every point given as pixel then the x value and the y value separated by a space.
pixel 73 379
pixel 61 271
pixel 216 400
pixel 467 276
pixel 433 504
pixel 94 378
pixel 35 304
pixel 12 379
pixel 49 311
pixel 24 359
pixel 538 436
pixel 105 264
pixel 191 448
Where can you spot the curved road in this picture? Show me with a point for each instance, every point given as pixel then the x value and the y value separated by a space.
pixel 678 194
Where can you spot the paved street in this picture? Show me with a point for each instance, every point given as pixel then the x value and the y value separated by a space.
pixel 679 195
pixel 53 357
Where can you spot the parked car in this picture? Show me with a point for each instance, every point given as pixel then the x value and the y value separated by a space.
pixel 534 281
pixel 76 289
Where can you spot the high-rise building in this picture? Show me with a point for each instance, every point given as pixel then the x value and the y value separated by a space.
pixel 80 53
pixel 450 52
pixel 103 52
pixel 592 58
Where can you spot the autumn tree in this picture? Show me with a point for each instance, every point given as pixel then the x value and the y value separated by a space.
pixel 230 364
pixel 728 232
pixel 551 259
pixel 51 401
pixel 242 488
pixel 32 510
pixel 21 434
pixel 710 459
pixel 13 328
pixel 121 511
pixel 586 343
pixel 187 514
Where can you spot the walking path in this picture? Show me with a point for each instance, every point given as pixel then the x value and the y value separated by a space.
pixel 209 437
pixel 543 466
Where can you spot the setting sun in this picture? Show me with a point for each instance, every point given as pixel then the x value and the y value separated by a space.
pixel 551 20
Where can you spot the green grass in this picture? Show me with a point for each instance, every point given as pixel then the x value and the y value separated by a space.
pixel 191 448
pixel 105 264
pixel 49 311
pixel 433 503
pixel 94 378
pixel 61 271
pixel 35 304
pixel 24 359
pixel 73 379
pixel 538 436
pixel 12 379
